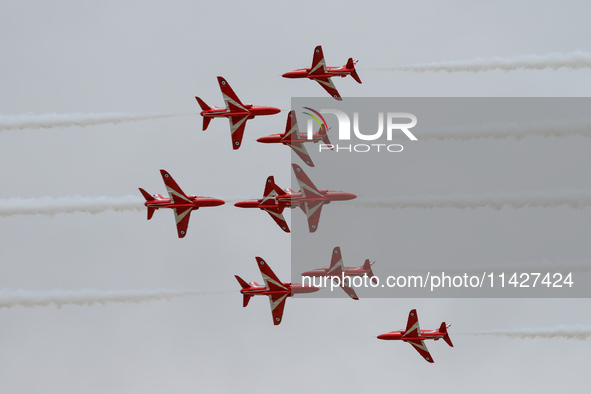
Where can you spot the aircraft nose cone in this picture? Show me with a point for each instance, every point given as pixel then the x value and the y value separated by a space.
pixel 264 140
pixel 382 336
pixel 273 110
pixel 341 196
pixel 288 74
pixel 247 204
pixel 349 196
pixel 218 202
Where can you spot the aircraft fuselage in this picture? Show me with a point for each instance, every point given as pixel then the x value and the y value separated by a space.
pixel 349 271
pixel 295 199
pixel 291 289
pixel 278 138
pixel 330 72
pixel 425 334
pixel 197 202
pixel 251 111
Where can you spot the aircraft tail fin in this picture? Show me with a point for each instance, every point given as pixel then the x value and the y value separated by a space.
pixel 202 104
pixel 242 282
pixel 351 66
pixel 323 134
pixel 204 107
pixel 367 266
pixel 443 329
pixel 146 195
pixel 244 285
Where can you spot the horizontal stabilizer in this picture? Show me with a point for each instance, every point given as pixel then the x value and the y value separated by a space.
pixel 322 133
pixel 351 66
pixel 245 300
pixel 206 121
pixel 355 76
pixel 443 329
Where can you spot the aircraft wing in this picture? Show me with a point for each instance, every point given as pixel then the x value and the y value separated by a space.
pixel 350 292
pixel 271 191
pixel 318 63
pixel 177 196
pixel 271 280
pixel 336 263
pixel 232 101
pixel 327 84
pixel 307 188
pixel 181 216
pixel 291 127
pixel 412 325
pixel 312 211
pixel 237 126
pixel 422 349
pixel 278 218
pixel 301 151
pixel 277 304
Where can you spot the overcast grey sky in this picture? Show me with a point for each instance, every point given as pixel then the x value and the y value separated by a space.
pixel 126 56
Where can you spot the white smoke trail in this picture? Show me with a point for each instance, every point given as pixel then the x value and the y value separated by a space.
pixel 55 205
pixel 576 331
pixel 575 60
pixel 568 198
pixel 550 128
pixel 49 120
pixel 30 299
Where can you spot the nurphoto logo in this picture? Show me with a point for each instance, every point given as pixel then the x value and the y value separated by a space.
pixel 396 122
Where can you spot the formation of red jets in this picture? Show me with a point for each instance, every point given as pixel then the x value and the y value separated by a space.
pixel 309 199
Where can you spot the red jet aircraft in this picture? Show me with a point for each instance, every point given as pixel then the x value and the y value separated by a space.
pixel 338 269
pixel 415 336
pixel 181 204
pixel 310 199
pixel 274 288
pixel 322 74
pixel 235 111
pixel 294 139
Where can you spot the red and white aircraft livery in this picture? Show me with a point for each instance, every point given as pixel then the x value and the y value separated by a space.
pixel 276 290
pixel 415 336
pixel 295 140
pixel 310 199
pixel 338 269
pixel 181 204
pixel 322 74
pixel 235 111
